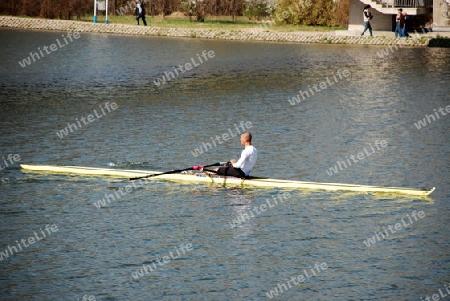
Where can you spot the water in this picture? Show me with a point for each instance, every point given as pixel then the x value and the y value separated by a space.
pixel 95 252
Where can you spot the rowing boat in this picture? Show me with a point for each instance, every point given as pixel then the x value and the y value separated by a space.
pixel 200 177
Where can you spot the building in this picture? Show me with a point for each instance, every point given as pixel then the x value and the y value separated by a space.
pixel 423 14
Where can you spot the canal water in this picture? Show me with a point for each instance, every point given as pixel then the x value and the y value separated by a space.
pixel 326 113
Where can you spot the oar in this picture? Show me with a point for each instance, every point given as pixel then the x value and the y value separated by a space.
pixel 175 171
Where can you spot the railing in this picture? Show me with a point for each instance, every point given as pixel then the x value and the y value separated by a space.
pixel 406 3
pixel 412 3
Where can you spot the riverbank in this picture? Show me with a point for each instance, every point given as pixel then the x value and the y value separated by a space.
pixel 254 34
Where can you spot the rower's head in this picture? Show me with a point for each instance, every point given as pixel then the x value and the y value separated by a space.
pixel 246 138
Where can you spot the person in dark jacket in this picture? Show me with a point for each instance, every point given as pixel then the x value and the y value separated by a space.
pixel 399 23
pixel 405 26
pixel 140 12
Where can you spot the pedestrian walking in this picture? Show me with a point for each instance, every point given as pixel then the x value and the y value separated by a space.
pixel 140 12
pixel 399 23
pixel 367 15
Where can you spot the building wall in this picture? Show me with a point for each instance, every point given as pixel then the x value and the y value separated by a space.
pixel 441 14
pixel 380 22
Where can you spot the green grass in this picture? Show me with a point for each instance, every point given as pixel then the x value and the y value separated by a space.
pixel 212 22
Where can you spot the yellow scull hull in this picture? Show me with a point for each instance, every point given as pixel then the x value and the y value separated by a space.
pixel 226 181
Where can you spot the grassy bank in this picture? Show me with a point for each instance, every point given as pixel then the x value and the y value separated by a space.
pixel 212 22
pixel 220 30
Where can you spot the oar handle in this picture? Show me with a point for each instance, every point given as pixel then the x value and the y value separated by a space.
pixel 200 167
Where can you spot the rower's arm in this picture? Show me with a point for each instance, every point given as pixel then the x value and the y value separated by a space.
pixel 241 161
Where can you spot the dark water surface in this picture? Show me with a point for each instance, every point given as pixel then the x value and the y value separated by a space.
pixel 356 101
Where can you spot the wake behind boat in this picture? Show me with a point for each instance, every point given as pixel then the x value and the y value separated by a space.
pixel 201 177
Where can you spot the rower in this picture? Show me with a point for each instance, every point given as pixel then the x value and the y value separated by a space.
pixel 243 167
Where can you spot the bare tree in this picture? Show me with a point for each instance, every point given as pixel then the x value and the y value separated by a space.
pixel 160 6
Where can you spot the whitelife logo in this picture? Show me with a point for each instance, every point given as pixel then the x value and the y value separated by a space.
pixel 245 217
pixel 385 234
pixel 430 117
pixel 53 47
pixel 436 297
pixel 327 83
pixel 11 158
pixel 282 287
pixel 90 118
pixel 168 75
pixel 11 250
pixel 245 126
pixel 359 156
pixel 165 260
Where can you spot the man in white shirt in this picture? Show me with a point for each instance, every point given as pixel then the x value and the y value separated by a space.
pixel 244 165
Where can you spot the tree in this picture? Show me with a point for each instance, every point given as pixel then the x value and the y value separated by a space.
pixel 312 12
pixel 30 8
pixel 235 7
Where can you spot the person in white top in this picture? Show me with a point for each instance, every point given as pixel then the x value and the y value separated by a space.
pixel 367 16
pixel 244 165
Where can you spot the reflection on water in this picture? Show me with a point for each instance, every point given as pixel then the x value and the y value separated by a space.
pixel 96 250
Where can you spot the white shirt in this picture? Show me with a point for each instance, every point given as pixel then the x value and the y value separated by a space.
pixel 366 13
pixel 247 160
